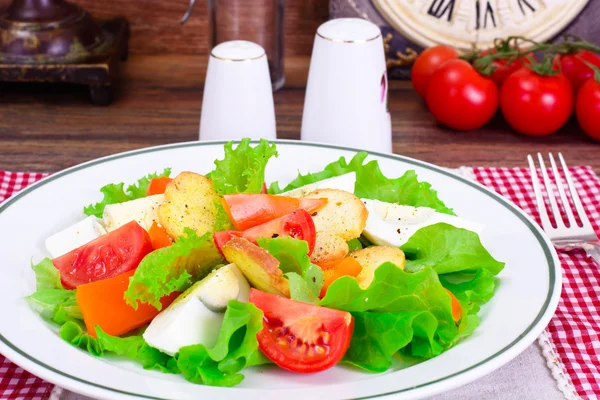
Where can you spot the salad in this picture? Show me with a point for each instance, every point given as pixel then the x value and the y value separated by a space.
pixel 206 275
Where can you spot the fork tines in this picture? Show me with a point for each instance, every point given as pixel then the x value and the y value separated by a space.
pixel 561 230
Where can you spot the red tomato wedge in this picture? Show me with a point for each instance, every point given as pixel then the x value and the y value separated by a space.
pixel 249 210
pixel 102 304
pixel 158 185
pixel 109 255
pixel 298 225
pixel 159 237
pixel 301 337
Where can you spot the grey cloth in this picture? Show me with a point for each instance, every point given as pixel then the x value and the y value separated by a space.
pixel 526 377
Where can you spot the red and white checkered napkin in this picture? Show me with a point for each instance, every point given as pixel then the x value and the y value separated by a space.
pixel 574 332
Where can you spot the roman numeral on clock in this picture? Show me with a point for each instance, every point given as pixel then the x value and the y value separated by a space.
pixel 524 5
pixel 484 15
pixel 442 9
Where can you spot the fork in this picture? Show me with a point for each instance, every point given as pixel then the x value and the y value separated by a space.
pixel 573 236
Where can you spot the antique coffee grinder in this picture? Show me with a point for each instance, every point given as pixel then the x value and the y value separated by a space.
pixel 57 41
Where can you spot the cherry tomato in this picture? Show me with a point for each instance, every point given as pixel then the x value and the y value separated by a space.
pixel 298 225
pixel 158 185
pixel 503 68
pixel 301 337
pixel 587 108
pixel 248 210
pixel 427 63
pixel 575 68
pixel 459 97
pixel 109 255
pixel 534 104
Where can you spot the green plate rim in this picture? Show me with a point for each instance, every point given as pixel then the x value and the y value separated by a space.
pixel 513 208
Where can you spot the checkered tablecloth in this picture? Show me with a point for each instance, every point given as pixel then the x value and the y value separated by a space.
pixel 571 341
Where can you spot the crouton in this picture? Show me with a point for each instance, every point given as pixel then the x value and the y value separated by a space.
pixel 189 203
pixel 372 257
pixel 342 219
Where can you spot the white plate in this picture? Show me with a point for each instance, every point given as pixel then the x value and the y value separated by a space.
pixel 523 305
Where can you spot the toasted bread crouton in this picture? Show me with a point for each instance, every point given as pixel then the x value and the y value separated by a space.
pixel 342 219
pixel 259 267
pixel 329 247
pixel 189 203
pixel 372 257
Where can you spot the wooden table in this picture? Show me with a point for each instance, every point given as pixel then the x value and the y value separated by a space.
pixel 54 127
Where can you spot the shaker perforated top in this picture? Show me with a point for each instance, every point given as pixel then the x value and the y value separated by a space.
pixel 238 50
pixel 349 30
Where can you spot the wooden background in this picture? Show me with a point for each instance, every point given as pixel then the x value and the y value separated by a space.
pixel 155 26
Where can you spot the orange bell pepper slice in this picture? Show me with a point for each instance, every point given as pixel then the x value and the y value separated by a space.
pixel 158 185
pixel 333 270
pixel 456 308
pixel 102 304
pixel 159 237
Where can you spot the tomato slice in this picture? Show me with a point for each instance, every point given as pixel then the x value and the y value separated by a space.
pixel 158 185
pixel 109 255
pixel 249 210
pixel 298 225
pixel 301 337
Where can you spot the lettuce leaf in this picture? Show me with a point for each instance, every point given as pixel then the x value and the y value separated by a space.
pixel 243 168
pixel 378 336
pixel 172 269
pixel 446 249
pixel 305 279
pixel 336 168
pixel 236 349
pixel 354 244
pixel 54 302
pixel 132 347
pixel 371 183
pixel 394 290
pixel 115 193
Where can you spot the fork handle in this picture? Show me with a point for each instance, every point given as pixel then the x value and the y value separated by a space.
pixel 593 251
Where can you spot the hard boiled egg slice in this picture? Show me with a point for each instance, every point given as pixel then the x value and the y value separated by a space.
pixel 343 182
pixel 144 211
pixel 392 224
pixel 197 315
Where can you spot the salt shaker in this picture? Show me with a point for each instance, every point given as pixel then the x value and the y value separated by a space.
pixel 238 100
pixel 346 93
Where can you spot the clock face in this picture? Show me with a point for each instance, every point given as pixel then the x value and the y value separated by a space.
pixel 462 23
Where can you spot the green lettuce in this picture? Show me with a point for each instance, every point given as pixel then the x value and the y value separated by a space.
pixel 172 269
pixel 236 349
pixel 378 336
pixel 132 347
pixel 50 298
pixel 305 279
pixel 446 249
pixel 394 290
pixel 243 168
pixel 354 244
pixel 115 193
pixel 336 168
pixel 371 183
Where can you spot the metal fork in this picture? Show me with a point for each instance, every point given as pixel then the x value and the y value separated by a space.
pixel 573 236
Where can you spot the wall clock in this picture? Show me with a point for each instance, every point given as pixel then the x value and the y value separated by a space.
pixel 461 23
